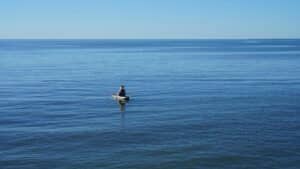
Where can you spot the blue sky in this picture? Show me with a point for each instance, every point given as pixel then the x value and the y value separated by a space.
pixel 150 19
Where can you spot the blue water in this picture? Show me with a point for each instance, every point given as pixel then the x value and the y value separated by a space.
pixel 216 104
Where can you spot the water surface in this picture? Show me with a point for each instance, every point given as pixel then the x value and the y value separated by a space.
pixel 195 104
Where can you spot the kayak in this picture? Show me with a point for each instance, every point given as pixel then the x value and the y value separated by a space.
pixel 124 98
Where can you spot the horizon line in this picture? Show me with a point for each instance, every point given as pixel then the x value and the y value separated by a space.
pixel 74 38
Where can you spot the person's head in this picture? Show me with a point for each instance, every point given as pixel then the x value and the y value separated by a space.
pixel 122 86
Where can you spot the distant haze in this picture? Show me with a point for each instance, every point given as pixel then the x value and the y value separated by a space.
pixel 150 19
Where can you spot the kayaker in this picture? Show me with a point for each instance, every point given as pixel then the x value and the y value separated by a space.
pixel 122 91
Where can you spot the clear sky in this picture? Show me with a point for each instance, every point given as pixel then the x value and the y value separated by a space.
pixel 150 19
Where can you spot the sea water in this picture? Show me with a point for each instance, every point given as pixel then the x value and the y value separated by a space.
pixel 214 104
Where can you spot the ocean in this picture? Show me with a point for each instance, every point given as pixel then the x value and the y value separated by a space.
pixel 203 104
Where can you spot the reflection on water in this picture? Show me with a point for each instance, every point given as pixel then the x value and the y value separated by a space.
pixel 122 105
pixel 122 120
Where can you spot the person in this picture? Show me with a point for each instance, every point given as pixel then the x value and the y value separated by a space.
pixel 122 91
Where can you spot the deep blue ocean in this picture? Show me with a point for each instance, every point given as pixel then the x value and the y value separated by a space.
pixel 203 104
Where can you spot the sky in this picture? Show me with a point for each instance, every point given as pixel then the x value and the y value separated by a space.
pixel 135 19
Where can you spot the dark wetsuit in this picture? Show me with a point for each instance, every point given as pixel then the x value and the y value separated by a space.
pixel 122 92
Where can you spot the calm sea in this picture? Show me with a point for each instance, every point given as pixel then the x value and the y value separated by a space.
pixel 204 104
